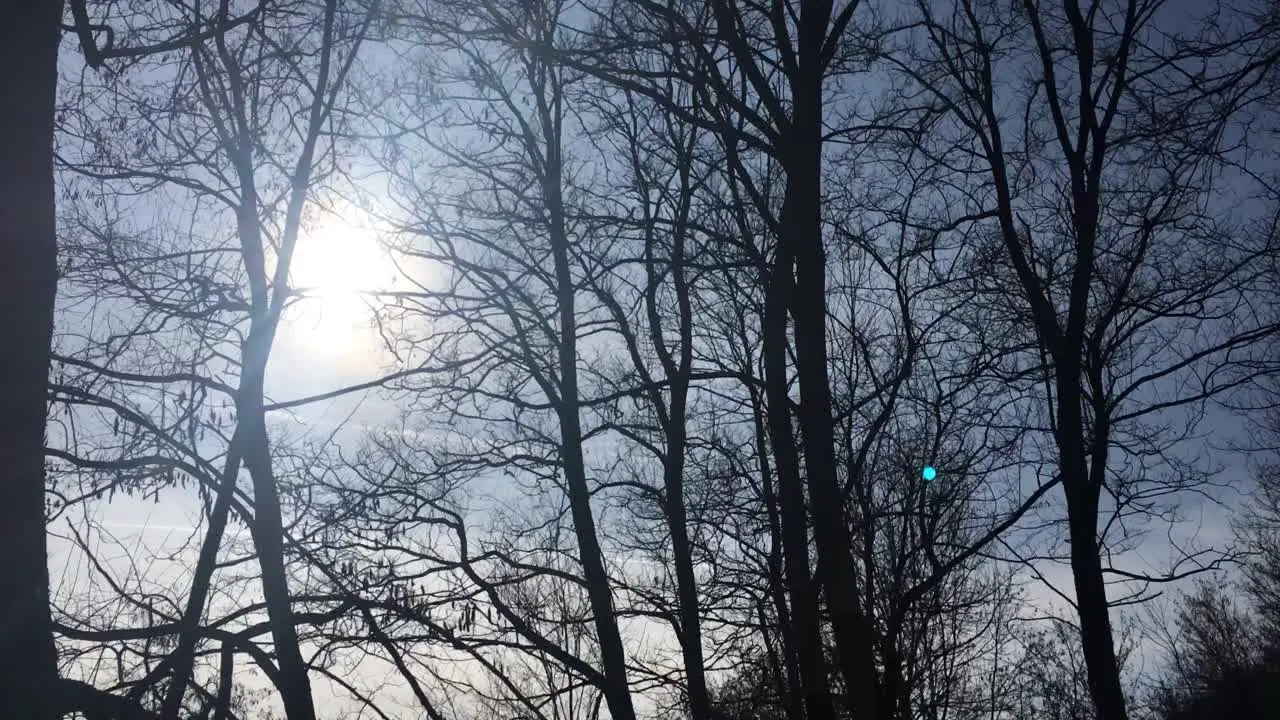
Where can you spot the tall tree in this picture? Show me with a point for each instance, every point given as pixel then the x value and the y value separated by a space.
pixel 29 39
pixel 254 100
pixel 518 252
pixel 766 75
pixel 1096 179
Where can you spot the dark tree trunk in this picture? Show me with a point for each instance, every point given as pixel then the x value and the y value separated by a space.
pixel 814 687
pixel 802 222
pixel 29 34
pixel 268 538
pixel 1082 485
pixel 777 587
pixel 677 369
pixel 612 653
pixel 1081 481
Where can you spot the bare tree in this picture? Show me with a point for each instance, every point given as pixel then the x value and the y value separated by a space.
pixel 1097 175
pixel 771 102
pixel 511 326
pixel 1222 648
pixel 205 306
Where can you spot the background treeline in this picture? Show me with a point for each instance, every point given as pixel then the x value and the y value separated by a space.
pixel 661 308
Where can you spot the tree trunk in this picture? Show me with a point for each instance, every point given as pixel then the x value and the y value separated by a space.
pixel 29 35
pixel 268 538
pixel 802 221
pixel 777 585
pixel 617 691
pixel 814 687
pixel 678 370
pixel 182 659
pixel 1082 485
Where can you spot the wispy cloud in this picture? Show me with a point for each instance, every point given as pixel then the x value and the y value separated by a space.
pixel 148 527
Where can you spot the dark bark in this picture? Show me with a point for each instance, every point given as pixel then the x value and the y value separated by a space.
pixel 791 501
pixel 29 37
pixel 777 585
pixel 681 548
pixel 1082 485
pixel 1065 343
pixel 268 538
pixel 183 657
pixel 617 692
pixel 678 369
pixel 802 224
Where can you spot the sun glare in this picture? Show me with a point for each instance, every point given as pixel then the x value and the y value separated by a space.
pixel 335 267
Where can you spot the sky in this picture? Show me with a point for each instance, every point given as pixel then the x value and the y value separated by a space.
pixel 326 343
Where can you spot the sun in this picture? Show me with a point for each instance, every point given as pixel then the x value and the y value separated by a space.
pixel 334 271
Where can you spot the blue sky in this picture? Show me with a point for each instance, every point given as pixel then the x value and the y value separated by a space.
pixel 324 346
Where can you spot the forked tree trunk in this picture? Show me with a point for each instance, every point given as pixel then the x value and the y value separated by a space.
pixel 802 222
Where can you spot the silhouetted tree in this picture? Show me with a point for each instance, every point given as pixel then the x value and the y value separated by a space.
pixel 1223 656
pixel 1096 180
pixel 28 281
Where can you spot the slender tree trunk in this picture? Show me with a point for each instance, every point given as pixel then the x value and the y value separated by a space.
pixel 267 302
pixel 618 692
pixel 1081 484
pixel 250 445
pixel 29 35
pixel 182 659
pixel 777 584
pixel 802 221
pixel 814 687
pixel 686 582
pixel 268 538
pixel 268 294
pixel 895 700
pixel 678 370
